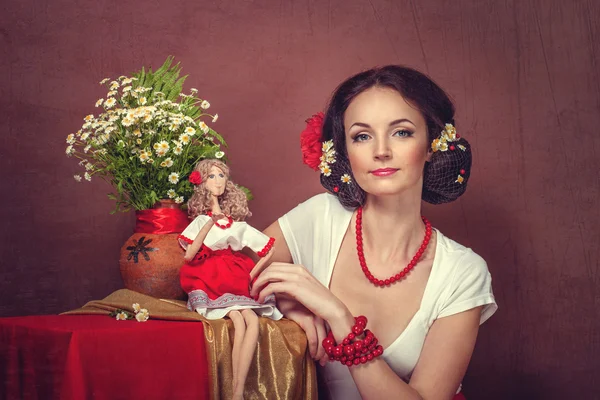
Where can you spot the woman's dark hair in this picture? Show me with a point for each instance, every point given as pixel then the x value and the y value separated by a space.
pixel 423 94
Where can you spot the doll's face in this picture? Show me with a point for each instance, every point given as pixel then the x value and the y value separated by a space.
pixel 216 181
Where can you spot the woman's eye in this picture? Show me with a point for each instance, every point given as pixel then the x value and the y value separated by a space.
pixel 403 133
pixel 361 137
pixel 211 176
pixel 221 176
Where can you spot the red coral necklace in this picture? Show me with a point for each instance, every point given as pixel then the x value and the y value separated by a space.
pixel 227 225
pixel 402 273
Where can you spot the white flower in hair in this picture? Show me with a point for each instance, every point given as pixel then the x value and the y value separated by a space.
pixel 325 170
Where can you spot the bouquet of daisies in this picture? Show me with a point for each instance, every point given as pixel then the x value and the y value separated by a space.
pixel 147 138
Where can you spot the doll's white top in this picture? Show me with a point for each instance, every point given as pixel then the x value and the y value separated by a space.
pixel 459 281
pixel 237 236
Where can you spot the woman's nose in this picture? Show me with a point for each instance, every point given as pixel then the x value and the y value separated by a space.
pixel 382 150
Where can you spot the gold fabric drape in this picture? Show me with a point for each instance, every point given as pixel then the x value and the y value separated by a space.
pixel 282 367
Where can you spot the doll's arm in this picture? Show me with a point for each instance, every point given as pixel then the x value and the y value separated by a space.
pixel 263 263
pixel 193 248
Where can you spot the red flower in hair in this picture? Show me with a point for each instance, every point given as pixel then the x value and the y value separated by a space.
pixel 310 141
pixel 195 178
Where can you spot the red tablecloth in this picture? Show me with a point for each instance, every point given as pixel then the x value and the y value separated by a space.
pixel 97 357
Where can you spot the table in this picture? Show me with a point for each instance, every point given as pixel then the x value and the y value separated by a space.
pixel 98 357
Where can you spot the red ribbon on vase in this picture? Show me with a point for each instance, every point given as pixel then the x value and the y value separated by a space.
pixel 161 221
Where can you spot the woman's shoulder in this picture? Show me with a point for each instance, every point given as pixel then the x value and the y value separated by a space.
pixel 452 251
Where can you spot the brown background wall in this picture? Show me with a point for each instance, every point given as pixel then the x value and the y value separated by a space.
pixel 525 78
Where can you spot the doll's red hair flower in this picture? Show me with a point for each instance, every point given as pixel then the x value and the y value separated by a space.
pixel 195 178
pixel 310 141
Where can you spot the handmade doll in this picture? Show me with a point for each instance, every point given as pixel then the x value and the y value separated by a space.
pixel 216 274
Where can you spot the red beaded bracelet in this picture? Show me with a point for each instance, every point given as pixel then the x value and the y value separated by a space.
pixel 351 351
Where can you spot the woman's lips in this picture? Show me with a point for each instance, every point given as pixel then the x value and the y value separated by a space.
pixel 384 171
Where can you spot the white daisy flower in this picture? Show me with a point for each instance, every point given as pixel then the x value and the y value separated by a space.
pixel 126 81
pixel 173 177
pixel 179 200
pixel 85 135
pixel 203 127
pixel 138 141
pixel 69 150
pixel 136 307
pixel 142 315
pixel 127 121
pixel 150 161
pixel 111 93
pixel 215 118
pixel 114 85
pixel 161 148
pixel 171 193
pixel 178 150
pixel 325 170
pixel 70 138
pixel 184 138
pixel 89 166
pixel 143 100
pixel 121 316
pixel 144 156
pixel 328 145
pixel 103 81
pixel 87 176
pixel 110 102
pixel 190 131
pixel 89 118
pixel 168 162
pixel 86 148
pixel 147 118
pixel 193 90
pixel 219 154
pixel 204 105
pixel 137 132
pixel 346 178
pixel 126 89
pixel 99 102
pixel 77 178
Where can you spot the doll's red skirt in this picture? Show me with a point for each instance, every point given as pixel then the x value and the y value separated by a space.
pixel 217 272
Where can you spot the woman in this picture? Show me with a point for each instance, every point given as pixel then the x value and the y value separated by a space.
pixel 363 249
pixel 216 274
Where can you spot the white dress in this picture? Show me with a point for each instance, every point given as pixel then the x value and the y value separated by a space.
pixel 459 281
pixel 217 279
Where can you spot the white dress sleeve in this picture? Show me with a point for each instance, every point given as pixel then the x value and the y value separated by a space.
pixel 191 231
pixel 300 226
pixel 470 287
pixel 257 241
pixel 314 231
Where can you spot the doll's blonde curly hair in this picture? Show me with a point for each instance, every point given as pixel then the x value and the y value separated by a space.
pixel 233 201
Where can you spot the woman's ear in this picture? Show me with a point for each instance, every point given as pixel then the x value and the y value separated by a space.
pixel 429 154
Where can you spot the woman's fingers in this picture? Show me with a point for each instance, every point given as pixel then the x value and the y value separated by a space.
pixel 321 334
pixel 311 336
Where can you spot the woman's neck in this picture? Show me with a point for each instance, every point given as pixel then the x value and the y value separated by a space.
pixel 392 228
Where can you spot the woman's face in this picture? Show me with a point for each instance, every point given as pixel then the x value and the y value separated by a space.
pixel 387 142
pixel 216 181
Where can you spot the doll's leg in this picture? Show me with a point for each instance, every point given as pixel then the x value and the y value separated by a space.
pixel 247 351
pixel 239 326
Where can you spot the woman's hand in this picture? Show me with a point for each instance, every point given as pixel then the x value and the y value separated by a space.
pixel 299 284
pixel 295 282
pixel 313 326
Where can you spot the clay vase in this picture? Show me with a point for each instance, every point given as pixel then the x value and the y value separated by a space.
pixel 151 258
